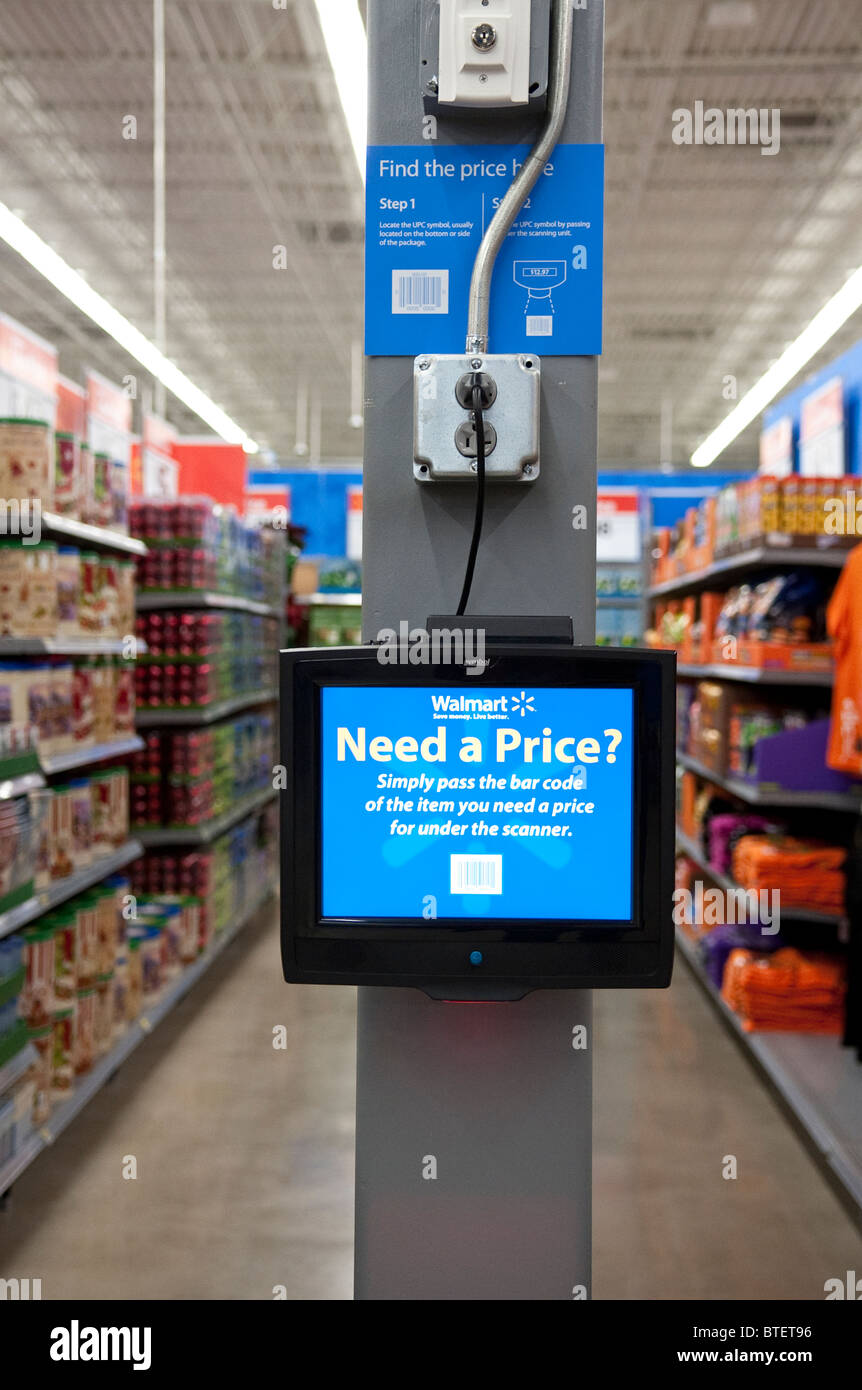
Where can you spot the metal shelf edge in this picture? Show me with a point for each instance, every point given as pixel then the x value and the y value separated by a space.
pixel 96 753
pixel 757 796
pixel 103 536
pixel 762 555
pixel 179 598
pixel 208 714
pixel 757 675
pixel 205 834
pixel 65 888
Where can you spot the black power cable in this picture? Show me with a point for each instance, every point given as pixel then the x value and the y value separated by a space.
pixel 479 421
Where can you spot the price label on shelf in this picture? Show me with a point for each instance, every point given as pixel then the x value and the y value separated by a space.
pixel 618 528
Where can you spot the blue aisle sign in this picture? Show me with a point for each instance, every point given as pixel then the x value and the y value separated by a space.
pixel 427 209
pixel 506 803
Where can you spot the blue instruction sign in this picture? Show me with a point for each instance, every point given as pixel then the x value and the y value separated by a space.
pixel 498 803
pixel 427 211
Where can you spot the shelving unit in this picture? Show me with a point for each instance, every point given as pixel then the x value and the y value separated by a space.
pixel 64 888
pixel 105 1068
pixel 208 714
pixel 194 598
pixel 791 914
pixel 816 1078
pixel 756 675
pixel 765 556
pixel 818 1081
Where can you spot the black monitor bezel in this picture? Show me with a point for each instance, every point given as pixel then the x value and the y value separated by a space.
pixel 378 951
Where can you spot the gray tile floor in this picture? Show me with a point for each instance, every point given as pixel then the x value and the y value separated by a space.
pixel 244 1158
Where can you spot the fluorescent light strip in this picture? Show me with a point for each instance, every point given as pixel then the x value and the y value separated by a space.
pixel 347 46
pixel 822 327
pixel 61 275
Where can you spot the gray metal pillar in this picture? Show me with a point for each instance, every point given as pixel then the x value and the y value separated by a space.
pixel 474 1133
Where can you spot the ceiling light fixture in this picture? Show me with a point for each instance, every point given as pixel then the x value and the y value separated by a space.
pixel 61 275
pixel 347 46
pixel 823 326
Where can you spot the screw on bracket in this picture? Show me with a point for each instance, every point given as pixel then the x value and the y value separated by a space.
pixel 484 36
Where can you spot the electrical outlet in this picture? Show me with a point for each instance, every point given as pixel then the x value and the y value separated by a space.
pixel 444 431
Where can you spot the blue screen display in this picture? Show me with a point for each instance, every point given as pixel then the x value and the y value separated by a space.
pixel 499 804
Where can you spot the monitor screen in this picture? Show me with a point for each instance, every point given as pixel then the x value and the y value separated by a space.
pixel 481 805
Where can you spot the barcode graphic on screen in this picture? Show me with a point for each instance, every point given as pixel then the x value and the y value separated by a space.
pixel 420 291
pixel 476 873
pixel 540 325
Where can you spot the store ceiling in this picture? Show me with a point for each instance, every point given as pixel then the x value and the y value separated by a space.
pixel 716 256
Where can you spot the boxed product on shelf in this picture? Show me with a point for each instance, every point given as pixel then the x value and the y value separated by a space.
pixel 709 723
pixel 783 512
pixel 185 778
pixel 28 589
pixel 193 544
pixel 334 625
pixel 304 578
pixel 77 822
pixel 778 624
pixel 222 881
pixel 27 461
pixel 55 591
pixel 618 580
pixel 66 703
pixel 336 574
pixel 17 859
pixel 194 659
pixel 187 519
pixel 67 998
pixel 618 627
pixel 68 479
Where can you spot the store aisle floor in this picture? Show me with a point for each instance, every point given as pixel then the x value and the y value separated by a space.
pixel 244 1152
pixel 266 1199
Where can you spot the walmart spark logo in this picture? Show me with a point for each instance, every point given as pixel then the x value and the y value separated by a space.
pixel 523 703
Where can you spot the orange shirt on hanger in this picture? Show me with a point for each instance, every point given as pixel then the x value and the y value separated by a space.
pixel 845 628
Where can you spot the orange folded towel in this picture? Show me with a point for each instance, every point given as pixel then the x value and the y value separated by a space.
pixel 789 991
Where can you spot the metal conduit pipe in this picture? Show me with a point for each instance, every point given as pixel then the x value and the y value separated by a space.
pixel 559 77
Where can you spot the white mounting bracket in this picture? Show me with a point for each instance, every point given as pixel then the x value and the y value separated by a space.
pixel 484 53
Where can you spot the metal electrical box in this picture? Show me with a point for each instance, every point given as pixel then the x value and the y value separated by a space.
pixel 444 444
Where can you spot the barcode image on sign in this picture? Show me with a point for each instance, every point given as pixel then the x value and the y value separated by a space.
pixel 475 873
pixel 420 291
pixel 540 325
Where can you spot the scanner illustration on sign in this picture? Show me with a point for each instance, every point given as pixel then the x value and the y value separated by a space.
pixel 540 279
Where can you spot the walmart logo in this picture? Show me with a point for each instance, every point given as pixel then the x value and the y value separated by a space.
pixel 523 703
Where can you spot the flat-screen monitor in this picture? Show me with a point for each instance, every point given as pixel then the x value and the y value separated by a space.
pixel 478 832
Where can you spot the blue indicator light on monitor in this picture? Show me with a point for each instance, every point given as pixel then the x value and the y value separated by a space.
pixel 475 957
